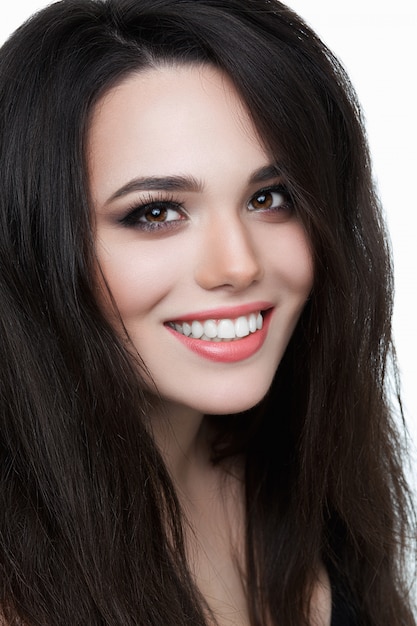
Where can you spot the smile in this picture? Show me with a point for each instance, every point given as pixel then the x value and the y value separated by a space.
pixel 224 336
pixel 220 330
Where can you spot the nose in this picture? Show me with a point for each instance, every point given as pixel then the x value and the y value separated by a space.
pixel 227 256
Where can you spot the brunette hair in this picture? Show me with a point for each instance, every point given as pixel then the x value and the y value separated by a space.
pixel 90 526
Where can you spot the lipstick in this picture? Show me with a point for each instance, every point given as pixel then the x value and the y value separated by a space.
pixel 248 338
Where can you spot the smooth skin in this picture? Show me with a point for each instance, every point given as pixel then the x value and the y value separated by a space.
pixel 191 217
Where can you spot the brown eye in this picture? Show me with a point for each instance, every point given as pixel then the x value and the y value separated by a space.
pixel 263 200
pixel 160 213
pixel 269 199
pixel 156 214
pixel 272 199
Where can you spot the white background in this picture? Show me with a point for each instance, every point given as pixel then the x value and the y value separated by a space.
pixel 376 40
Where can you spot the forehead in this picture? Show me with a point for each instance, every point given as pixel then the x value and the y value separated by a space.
pixel 170 120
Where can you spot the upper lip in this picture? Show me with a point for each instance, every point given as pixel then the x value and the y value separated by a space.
pixel 227 312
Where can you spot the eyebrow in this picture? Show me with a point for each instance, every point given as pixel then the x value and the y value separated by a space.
pixel 157 183
pixel 183 183
pixel 265 173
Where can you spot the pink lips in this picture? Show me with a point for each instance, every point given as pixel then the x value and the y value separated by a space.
pixel 227 351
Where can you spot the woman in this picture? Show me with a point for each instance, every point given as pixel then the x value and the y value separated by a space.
pixel 195 326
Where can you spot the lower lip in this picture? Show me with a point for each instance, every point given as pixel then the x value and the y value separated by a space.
pixel 227 351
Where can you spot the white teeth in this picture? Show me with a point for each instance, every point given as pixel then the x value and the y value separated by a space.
pixel 226 329
pixel 197 330
pixel 242 327
pixel 223 330
pixel 210 329
pixel 259 321
pixel 252 323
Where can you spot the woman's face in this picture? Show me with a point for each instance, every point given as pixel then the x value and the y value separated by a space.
pixel 196 237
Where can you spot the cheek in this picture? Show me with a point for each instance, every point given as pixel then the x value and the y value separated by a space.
pixel 137 279
pixel 302 269
pixel 292 259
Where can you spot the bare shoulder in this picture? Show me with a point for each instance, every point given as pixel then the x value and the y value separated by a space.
pixel 321 600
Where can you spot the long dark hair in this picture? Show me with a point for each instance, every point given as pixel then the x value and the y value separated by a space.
pixel 90 526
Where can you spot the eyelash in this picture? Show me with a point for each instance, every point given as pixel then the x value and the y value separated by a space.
pixel 169 203
pixel 136 212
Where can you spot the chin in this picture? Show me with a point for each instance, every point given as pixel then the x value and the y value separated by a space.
pixel 227 402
